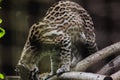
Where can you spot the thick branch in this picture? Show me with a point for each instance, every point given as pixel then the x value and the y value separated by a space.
pixel 81 76
pixel 87 62
pixel 116 76
pixel 111 67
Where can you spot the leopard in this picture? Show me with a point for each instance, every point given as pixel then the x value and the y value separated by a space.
pixel 66 33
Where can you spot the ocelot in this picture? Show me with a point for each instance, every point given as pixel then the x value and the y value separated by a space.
pixel 66 33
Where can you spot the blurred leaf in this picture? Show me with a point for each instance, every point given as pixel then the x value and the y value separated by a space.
pixel 0 20
pixel 2 76
pixel 0 0
pixel 2 32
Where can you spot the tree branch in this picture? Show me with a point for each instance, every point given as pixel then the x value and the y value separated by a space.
pixel 116 76
pixel 102 54
pixel 81 76
pixel 111 67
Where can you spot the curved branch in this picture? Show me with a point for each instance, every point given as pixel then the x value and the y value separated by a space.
pixel 116 76
pixel 90 60
pixel 111 67
pixel 81 76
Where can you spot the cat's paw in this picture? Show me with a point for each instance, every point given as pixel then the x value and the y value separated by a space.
pixel 63 69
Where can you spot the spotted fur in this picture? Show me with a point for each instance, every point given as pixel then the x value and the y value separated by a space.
pixel 66 32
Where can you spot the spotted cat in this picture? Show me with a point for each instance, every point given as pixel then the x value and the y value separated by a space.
pixel 66 33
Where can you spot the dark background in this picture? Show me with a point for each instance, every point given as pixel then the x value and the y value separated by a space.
pixel 19 15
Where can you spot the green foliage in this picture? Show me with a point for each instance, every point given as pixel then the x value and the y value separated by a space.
pixel 0 20
pixel 0 5
pixel 0 0
pixel 2 76
pixel 2 32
